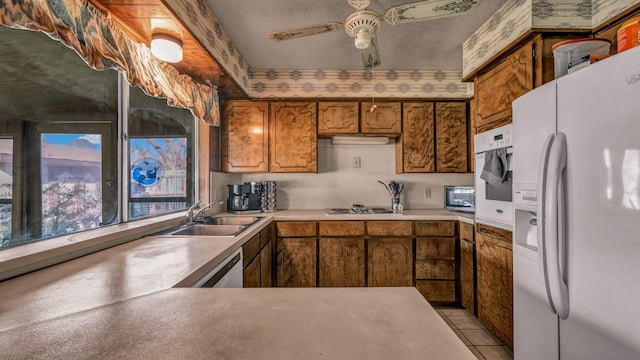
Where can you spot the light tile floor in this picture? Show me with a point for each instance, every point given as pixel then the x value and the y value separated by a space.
pixel 480 341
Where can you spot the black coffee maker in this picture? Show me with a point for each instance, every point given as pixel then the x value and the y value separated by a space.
pixel 244 198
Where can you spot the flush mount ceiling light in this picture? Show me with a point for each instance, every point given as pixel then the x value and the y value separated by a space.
pixel 359 140
pixel 166 47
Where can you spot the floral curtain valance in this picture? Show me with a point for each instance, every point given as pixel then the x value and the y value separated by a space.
pixel 94 36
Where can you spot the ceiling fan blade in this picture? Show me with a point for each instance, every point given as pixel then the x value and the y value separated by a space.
pixel 430 9
pixel 303 31
pixel 371 55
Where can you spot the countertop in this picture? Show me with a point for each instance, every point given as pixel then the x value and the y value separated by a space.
pixel 316 323
pixel 139 274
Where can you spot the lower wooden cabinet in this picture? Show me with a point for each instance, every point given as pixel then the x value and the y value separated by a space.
pixel 296 262
pixel 296 257
pixel 251 274
pixel 467 268
pixel 438 291
pixel 436 260
pixel 341 254
pixel 389 253
pixel 342 262
pixel 258 259
pixel 495 281
pixel 390 261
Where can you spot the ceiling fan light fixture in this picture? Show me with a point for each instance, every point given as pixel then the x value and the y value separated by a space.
pixel 363 39
pixel 166 47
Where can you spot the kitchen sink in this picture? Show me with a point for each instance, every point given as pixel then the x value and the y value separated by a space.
pixel 210 230
pixel 231 220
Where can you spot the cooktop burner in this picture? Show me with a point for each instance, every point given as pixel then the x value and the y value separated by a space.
pixel 359 209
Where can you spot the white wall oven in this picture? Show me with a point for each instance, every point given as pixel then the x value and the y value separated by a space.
pixel 494 177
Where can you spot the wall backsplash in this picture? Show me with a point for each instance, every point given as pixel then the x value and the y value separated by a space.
pixel 338 184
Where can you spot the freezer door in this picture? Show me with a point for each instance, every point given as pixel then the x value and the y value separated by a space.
pixel 534 119
pixel 535 327
pixel 599 111
pixel 535 324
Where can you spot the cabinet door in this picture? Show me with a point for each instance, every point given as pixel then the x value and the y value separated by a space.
pixel 245 137
pixel 497 88
pixel 251 274
pixel 467 271
pixel 495 283
pixel 342 262
pixel 293 146
pixel 418 138
pixel 250 249
pixel 296 262
pixel 266 265
pixel 336 118
pixel 451 137
pixel 390 261
pixel 385 120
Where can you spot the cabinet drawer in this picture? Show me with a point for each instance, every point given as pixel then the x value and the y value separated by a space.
pixel 436 269
pixel 250 249
pixel 389 228
pixel 466 231
pixel 437 290
pixel 435 228
pixel 341 228
pixel 435 248
pixel 296 229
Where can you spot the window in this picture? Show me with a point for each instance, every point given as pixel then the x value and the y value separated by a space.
pixel 71 185
pixel 65 166
pixel 160 156
pixel 6 189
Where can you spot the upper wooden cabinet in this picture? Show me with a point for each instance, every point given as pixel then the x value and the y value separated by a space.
pixel 294 142
pixel 451 137
pixel 336 118
pixel 525 68
pixel 386 120
pixel 417 143
pixel 245 140
pixel 434 138
pixel 497 88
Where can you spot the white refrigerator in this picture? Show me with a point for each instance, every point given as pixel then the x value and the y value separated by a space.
pixel 576 199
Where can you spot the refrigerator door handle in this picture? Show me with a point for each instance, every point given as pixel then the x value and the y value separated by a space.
pixel 542 222
pixel 554 237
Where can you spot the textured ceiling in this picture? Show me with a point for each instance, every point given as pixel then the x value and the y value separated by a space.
pixel 426 45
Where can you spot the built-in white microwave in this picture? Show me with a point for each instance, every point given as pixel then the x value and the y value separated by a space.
pixel 460 198
pixel 494 203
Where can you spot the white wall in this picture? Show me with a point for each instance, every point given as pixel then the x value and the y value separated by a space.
pixel 338 184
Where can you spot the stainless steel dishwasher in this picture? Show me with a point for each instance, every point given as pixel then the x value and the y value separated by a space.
pixel 226 275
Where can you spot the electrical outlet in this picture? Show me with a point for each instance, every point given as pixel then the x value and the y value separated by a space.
pixel 356 162
pixel 427 193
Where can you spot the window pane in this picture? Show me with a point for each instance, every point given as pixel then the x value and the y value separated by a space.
pixel 71 183
pixel 161 170
pixel 6 189
pixel 158 172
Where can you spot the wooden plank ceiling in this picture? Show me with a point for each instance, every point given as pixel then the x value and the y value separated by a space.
pixel 135 18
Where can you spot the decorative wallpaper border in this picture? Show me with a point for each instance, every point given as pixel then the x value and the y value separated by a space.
pixel 102 45
pixel 337 84
pixel 518 17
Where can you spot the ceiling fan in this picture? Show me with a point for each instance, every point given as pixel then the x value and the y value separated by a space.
pixel 363 24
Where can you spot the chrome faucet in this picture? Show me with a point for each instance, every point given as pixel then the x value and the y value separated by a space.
pixel 190 212
pixel 193 218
